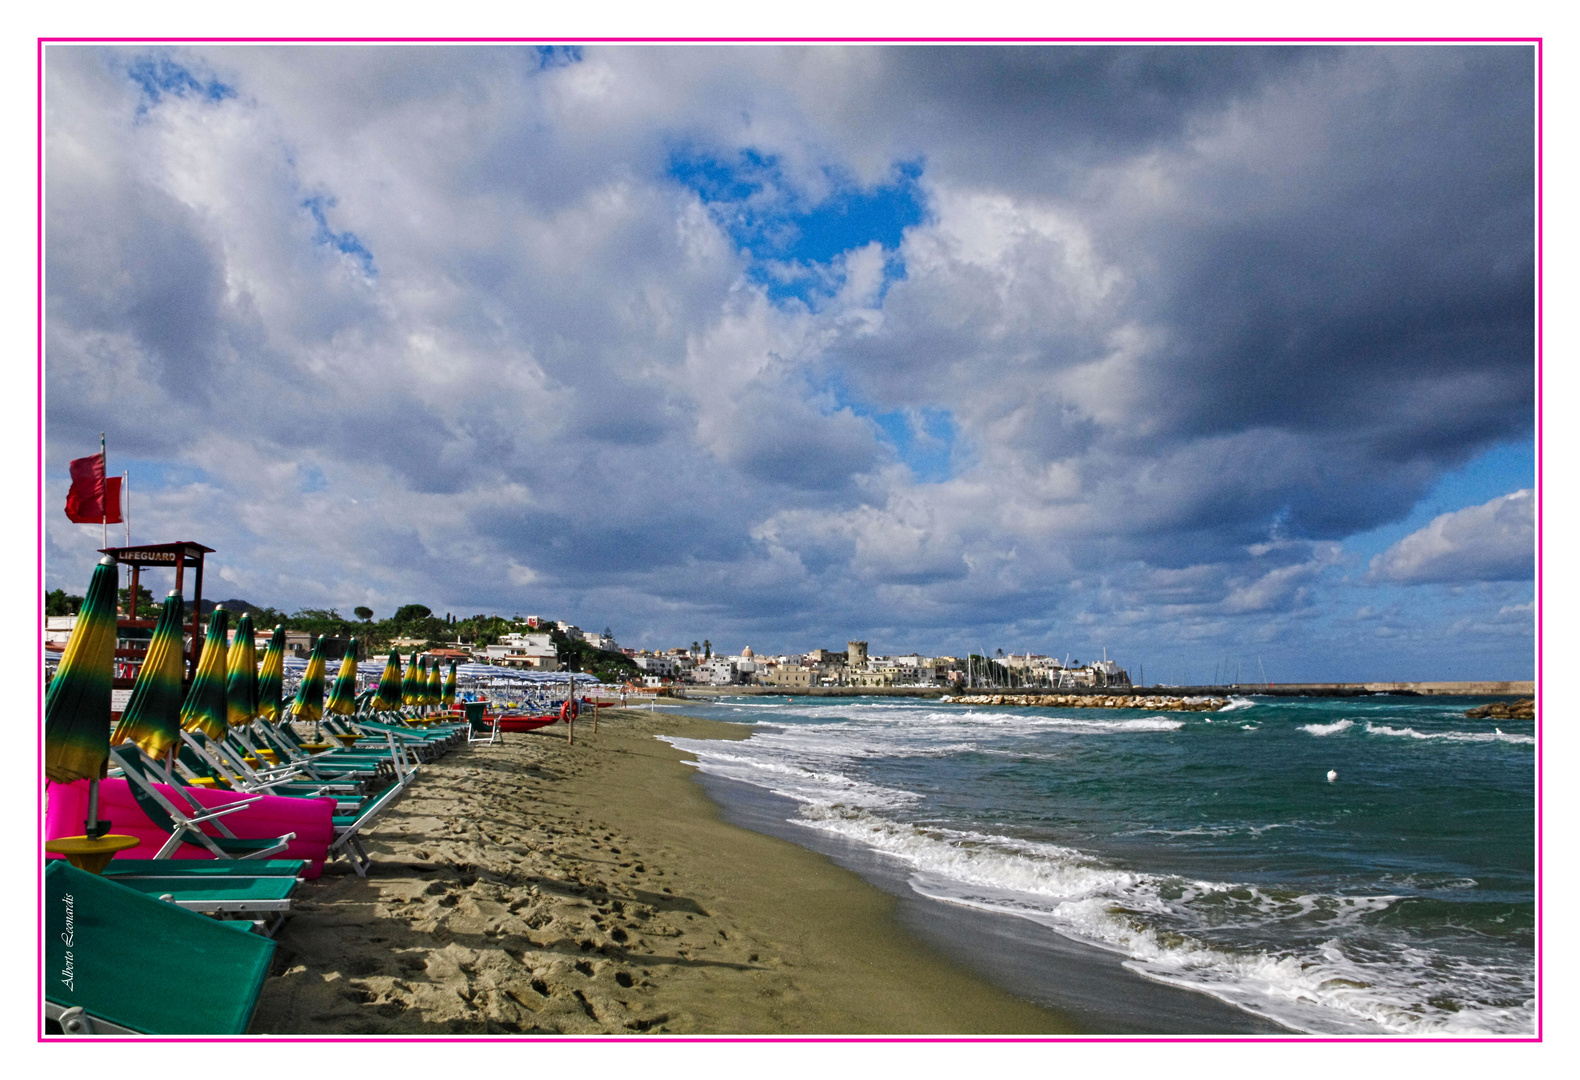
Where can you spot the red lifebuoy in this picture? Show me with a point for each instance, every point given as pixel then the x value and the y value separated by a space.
pixel 569 710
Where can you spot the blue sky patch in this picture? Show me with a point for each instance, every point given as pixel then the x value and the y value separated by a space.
pixel 158 76
pixel 557 56
pixel 793 244
pixel 312 476
pixel 1505 468
pixel 346 243
pixel 923 439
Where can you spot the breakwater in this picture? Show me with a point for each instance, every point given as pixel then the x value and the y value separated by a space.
pixel 1485 688
pixel 1154 702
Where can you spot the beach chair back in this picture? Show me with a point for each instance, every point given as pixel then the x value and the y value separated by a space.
pixel 118 962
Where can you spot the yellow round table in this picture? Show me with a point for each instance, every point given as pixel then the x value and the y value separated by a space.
pixel 90 853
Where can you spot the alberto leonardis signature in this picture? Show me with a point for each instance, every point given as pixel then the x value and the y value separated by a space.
pixel 68 974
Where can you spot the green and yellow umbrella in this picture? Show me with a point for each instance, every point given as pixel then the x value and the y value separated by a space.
pixel 309 703
pixel 241 685
pixel 204 709
pixel 410 689
pixel 271 678
pixel 435 685
pixel 77 704
pixel 388 697
pixel 449 688
pixel 343 698
pixel 152 718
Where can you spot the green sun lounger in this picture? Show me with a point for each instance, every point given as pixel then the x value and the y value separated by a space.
pixel 262 901
pixel 118 962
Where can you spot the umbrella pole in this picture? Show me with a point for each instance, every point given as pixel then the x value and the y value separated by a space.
pixel 91 828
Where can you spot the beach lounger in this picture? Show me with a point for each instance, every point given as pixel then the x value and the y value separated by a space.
pixel 224 762
pixel 118 962
pixel 480 729
pixel 348 828
pixel 262 900
pixel 184 823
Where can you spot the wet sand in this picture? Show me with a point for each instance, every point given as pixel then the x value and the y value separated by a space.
pixel 537 887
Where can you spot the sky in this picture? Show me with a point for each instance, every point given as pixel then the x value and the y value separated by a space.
pixel 1221 359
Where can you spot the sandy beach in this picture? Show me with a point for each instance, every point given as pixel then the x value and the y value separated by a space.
pixel 535 887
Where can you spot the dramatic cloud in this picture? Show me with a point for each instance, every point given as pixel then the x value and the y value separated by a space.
pixel 1492 542
pixel 1048 346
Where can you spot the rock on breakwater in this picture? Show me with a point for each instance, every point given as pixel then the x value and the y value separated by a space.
pixel 1524 709
pixel 1095 701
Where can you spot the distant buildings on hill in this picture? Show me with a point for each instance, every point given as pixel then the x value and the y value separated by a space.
pixel 700 665
pixel 855 666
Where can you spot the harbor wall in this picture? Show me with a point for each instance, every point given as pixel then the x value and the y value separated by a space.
pixel 1484 688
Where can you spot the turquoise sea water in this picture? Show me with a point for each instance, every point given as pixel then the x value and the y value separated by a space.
pixel 1208 850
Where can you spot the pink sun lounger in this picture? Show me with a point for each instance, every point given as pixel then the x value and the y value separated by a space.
pixel 311 819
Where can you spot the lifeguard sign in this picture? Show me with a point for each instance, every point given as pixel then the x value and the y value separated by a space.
pixel 178 556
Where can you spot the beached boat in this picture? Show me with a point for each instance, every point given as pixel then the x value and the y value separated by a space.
pixel 521 721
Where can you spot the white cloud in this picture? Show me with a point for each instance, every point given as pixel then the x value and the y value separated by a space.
pixel 1495 541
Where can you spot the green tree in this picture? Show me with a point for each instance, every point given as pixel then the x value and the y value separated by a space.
pixel 363 613
pixel 147 608
pixel 59 602
pixel 412 613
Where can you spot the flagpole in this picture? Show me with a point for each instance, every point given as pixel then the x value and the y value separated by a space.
pixel 104 490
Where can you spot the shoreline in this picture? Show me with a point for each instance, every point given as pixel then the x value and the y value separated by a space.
pixel 533 887
pixel 1086 983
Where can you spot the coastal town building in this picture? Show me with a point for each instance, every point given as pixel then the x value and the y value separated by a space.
pixel 534 651
pixel 717 671
pixel 664 667
pixel 791 675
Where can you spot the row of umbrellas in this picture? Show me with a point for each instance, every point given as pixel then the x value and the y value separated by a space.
pixel 230 688
pixel 468 672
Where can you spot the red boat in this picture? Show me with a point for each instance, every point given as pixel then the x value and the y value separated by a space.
pixel 519 722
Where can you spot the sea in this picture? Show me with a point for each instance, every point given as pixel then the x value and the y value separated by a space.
pixel 1122 865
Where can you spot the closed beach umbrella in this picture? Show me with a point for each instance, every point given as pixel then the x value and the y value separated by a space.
pixel 388 696
pixel 449 687
pixel 204 709
pixel 343 697
pixel 241 684
pixel 271 677
pixel 435 685
pixel 408 685
pixel 309 703
pixel 152 718
pixel 77 704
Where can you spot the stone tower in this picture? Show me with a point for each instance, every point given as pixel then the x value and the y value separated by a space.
pixel 856 655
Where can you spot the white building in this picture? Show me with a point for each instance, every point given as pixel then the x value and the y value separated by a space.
pixel 719 671
pixel 661 666
pixel 524 650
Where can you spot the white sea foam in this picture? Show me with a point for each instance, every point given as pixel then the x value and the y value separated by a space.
pixel 1198 935
pixel 1328 729
pixel 1450 736
pixel 1150 919
pixel 1238 703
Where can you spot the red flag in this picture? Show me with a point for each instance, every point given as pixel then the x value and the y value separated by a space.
pixel 93 499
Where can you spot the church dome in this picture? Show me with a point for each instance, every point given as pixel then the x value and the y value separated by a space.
pixel 747 651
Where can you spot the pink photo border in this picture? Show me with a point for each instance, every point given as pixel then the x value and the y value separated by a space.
pixel 1536 41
